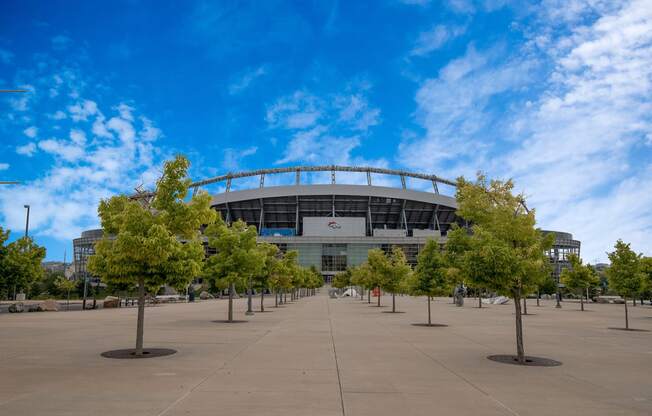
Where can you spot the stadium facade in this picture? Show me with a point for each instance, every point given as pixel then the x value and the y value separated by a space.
pixel 332 226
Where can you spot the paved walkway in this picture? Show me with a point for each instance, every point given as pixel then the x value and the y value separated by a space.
pixel 322 356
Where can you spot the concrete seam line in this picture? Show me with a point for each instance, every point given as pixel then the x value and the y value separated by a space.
pixel 337 364
pixel 461 377
pixel 240 351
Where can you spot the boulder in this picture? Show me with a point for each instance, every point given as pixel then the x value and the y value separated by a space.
pixel 205 295
pixel 16 308
pixel 49 305
pixel 111 302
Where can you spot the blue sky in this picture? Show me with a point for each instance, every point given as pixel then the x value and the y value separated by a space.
pixel 555 94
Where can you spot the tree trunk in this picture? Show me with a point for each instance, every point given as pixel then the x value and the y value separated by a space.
pixel 379 297
pixel 275 298
pixel 626 315
pixel 250 308
pixel 68 301
pixel 581 302
pixel 479 300
pixel 393 302
pixel 362 294
pixel 369 296
pixel 262 300
pixel 520 352
pixel 538 297
pixel 524 306
pixel 231 290
pixel 141 317
pixel 633 301
pixel 429 319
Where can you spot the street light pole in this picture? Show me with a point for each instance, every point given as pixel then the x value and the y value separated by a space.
pixel 27 221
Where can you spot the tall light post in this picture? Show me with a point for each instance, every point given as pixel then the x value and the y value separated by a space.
pixel 27 221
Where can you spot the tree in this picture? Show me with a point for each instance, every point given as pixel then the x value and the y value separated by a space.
pixel 65 285
pixel 360 276
pixel 505 250
pixel 646 269
pixel 430 277
pixel 625 274
pixel 269 253
pixel 237 257
pixel 152 239
pixel 579 277
pixel 458 244
pixel 378 265
pixel 281 277
pixel 20 264
pixel 396 272
pixel 342 279
pixel 315 281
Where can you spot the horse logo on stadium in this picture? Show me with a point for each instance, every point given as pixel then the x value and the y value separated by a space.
pixel 334 225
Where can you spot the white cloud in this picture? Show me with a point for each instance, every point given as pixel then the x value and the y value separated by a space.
pixel 58 115
pixel 453 108
pixel 100 130
pixel 31 132
pixel 78 137
pixel 27 150
pixel 67 152
pixel 579 148
pixel 82 110
pixel 4 166
pixel 64 199
pixel 435 38
pixel 323 130
pixel 22 100
pixel 233 157
pixel 297 111
pixel 245 80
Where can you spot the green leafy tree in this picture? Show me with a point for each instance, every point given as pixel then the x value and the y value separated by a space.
pixel 315 281
pixel 646 269
pixel 153 239
pixel 378 266
pixel 360 276
pixel 625 274
pixel 21 264
pixel 237 258
pixel 396 274
pixel 65 286
pixel 281 278
pixel 342 279
pixel 505 251
pixel 458 244
pixel 431 276
pixel 269 254
pixel 579 277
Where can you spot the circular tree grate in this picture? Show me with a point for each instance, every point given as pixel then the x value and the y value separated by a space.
pixel 629 329
pixel 226 321
pixel 130 353
pixel 430 325
pixel 529 361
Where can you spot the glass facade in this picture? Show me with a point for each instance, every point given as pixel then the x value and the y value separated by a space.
pixel 334 257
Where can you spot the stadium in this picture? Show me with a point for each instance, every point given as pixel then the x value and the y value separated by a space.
pixel 333 225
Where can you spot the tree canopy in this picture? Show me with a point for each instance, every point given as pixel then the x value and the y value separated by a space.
pixel 625 274
pixel 153 239
pixel 579 277
pixel 504 251
pixel 20 264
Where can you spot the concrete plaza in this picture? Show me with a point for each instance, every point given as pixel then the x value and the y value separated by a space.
pixel 321 356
